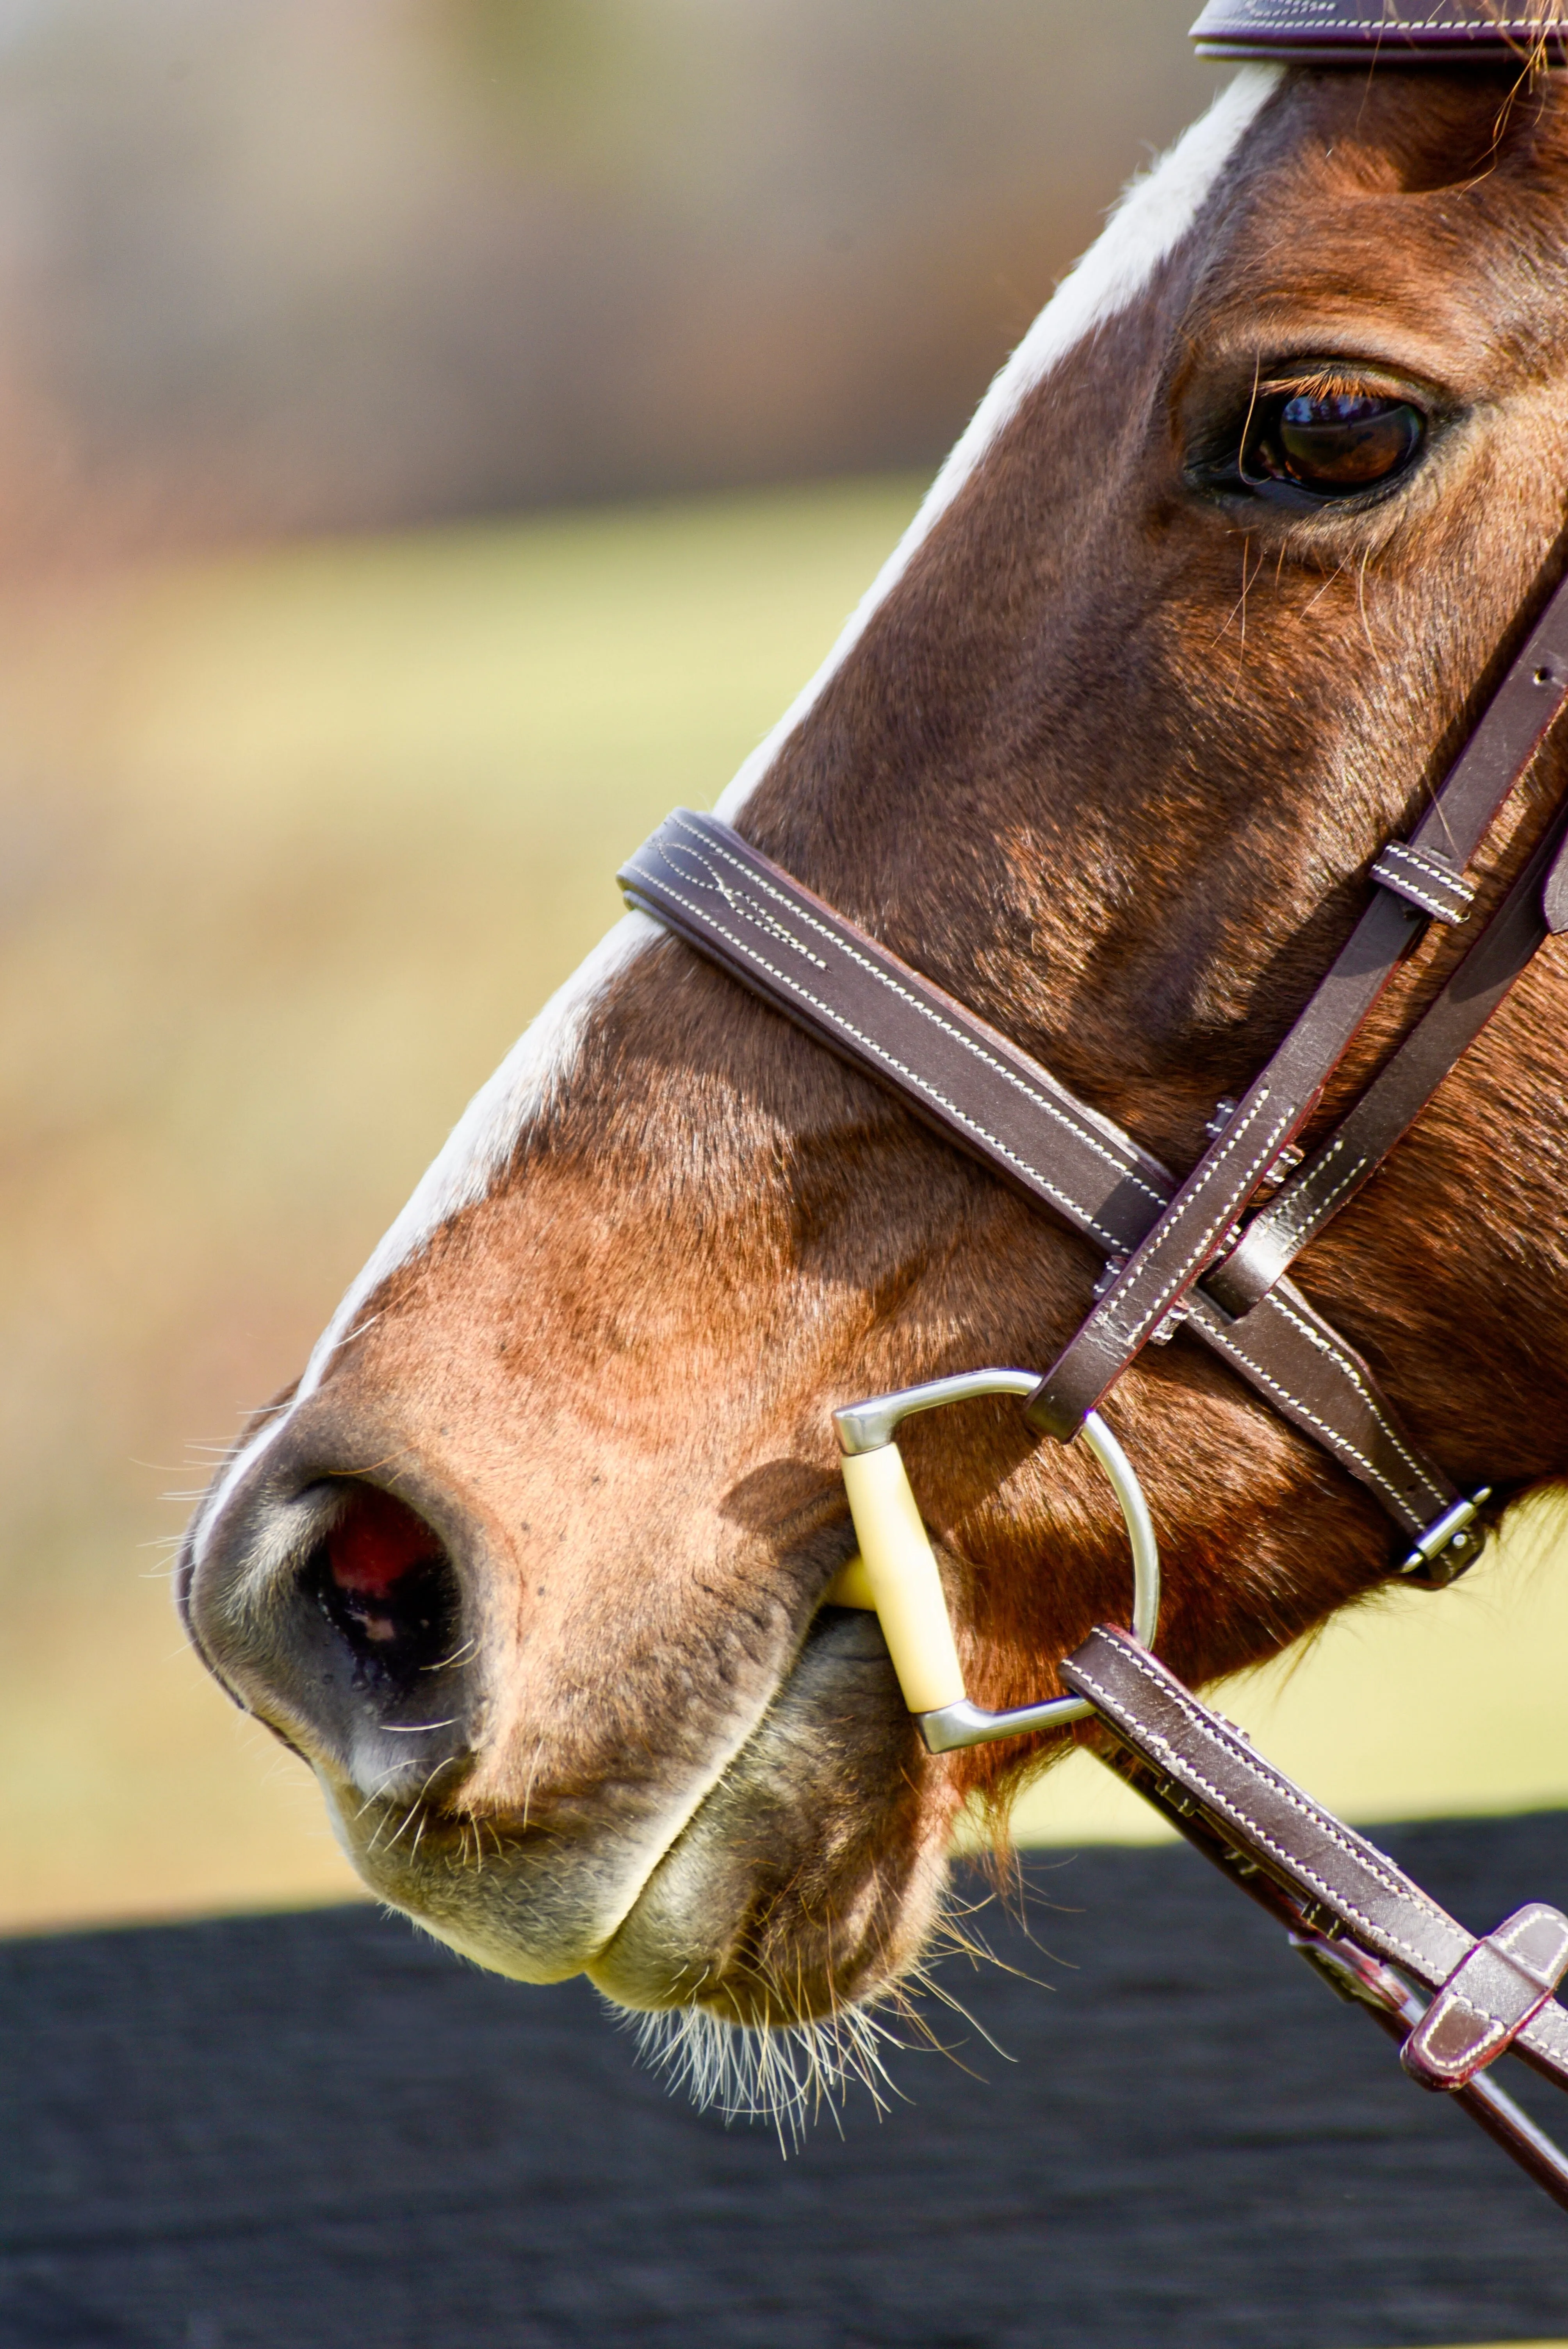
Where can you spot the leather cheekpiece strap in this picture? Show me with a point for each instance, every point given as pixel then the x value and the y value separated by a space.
pixel 1200 1221
pixel 1397 1096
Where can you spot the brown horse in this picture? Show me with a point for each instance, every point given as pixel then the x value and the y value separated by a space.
pixel 530 1565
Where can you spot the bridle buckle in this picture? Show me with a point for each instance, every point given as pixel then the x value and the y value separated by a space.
pixel 1450 1544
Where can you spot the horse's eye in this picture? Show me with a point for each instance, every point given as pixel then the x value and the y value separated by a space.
pixel 1333 444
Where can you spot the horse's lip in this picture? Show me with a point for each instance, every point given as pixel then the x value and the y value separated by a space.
pixel 789 1671
pixel 405 1852
pixel 717 1990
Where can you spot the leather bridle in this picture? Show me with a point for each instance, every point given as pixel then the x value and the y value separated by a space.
pixel 1182 1253
pixel 1177 1253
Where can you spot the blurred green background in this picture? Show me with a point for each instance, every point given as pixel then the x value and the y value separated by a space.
pixel 341 663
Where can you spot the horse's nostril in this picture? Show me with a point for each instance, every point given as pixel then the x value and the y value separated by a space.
pixel 385 1583
pixel 377 1543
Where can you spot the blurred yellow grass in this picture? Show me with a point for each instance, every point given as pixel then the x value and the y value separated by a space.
pixel 294 844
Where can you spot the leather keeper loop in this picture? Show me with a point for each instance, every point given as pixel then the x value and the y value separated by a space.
pixel 1497 1988
pixel 1424 880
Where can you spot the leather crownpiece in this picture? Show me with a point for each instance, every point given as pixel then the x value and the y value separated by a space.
pixel 1385 31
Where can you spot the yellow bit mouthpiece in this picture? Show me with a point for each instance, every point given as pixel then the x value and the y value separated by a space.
pixel 851 1586
pixel 898 1570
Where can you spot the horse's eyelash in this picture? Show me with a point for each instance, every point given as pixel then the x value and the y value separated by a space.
pixel 1323 383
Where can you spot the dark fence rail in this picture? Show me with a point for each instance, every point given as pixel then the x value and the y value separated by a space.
pixel 324 2131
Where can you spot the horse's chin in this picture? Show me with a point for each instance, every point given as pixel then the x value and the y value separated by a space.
pixel 810 1875
pixel 806 1881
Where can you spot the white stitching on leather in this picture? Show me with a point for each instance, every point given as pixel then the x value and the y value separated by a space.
pixel 1398 1889
pixel 1497 2034
pixel 1432 866
pixel 1336 1441
pixel 1128 1335
pixel 1475 36
pixel 1547 2032
pixel 911 1077
pixel 765 919
pixel 1403 886
pixel 977 1051
pixel 1295 1228
pixel 1388 871
pixel 771 922
pixel 1439 1493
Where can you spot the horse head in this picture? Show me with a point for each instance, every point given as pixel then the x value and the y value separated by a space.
pixel 530 1565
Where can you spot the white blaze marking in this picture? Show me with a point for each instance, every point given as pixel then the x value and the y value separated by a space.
pixel 485 1136
pixel 1152 216
pixel 481 1141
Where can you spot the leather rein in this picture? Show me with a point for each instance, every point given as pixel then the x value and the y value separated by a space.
pixel 1179 1254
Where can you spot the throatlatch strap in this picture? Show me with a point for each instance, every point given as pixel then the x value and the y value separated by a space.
pixel 743 912
pixel 1177 1251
